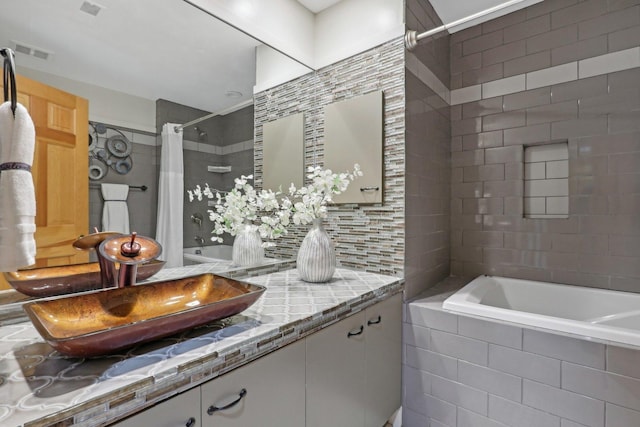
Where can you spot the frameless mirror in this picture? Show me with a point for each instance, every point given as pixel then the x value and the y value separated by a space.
pixel 141 64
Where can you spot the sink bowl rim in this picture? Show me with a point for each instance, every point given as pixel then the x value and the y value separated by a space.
pixel 253 294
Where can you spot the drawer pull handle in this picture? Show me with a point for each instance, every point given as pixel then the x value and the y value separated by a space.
pixel 213 409
pixel 190 422
pixel 374 321
pixel 363 189
pixel 353 334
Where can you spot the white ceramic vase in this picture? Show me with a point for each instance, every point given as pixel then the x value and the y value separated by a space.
pixel 247 246
pixel 316 260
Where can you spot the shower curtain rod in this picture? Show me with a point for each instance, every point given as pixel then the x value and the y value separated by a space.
pixel 236 107
pixel 193 122
pixel 411 38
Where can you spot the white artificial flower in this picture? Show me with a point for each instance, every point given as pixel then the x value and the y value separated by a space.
pixel 273 210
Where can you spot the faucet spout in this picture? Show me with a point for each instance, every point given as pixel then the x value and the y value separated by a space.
pixel 92 242
pixel 129 251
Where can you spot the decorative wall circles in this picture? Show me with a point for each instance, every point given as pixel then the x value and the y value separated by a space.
pixel 119 145
pixel 109 148
pixel 97 170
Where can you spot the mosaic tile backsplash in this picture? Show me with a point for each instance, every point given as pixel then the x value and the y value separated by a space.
pixel 370 238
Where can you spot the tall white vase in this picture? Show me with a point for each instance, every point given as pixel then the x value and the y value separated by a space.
pixel 247 247
pixel 316 261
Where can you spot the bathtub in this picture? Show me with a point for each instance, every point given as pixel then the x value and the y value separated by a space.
pixel 199 255
pixel 601 314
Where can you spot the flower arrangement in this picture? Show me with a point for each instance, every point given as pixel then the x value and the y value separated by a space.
pixel 312 200
pixel 274 210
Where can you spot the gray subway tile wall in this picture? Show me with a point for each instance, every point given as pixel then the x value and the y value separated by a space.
pixel 531 378
pixel 226 140
pixel 141 204
pixel 560 70
pixel 587 95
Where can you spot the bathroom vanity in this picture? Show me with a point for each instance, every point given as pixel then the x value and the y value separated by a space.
pixel 304 354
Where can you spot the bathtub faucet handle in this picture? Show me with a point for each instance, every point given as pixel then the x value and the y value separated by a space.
pixel 197 219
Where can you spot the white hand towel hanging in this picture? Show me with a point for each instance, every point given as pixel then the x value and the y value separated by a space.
pixel 17 194
pixel 115 212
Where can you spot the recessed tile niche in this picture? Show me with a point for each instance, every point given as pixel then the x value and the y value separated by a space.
pixel 546 181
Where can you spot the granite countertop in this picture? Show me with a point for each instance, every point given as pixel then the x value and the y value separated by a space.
pixel 40 387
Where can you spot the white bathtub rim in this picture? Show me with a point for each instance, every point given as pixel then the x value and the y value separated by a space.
pixel 464 303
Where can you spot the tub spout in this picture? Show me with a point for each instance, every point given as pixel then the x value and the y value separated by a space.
pixel 199 240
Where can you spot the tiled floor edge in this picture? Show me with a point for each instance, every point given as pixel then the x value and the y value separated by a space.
pixel 590 67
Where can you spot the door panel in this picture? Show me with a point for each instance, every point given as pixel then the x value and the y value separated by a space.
pixel 60 171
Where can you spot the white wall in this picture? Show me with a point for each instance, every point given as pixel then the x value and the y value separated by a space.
pixel 353 26
pixel 347 28
pixel 273 68
pixel 105 105
pixel 283 24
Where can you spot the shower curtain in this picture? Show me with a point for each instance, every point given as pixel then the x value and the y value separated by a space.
pixel 170 196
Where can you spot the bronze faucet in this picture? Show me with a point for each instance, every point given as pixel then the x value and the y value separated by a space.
pixel 92 242
pixel 128 251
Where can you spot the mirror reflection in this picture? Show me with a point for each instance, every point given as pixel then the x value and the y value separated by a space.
pixel 139 65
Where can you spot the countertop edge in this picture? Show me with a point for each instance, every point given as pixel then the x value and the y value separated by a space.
pixel 107 409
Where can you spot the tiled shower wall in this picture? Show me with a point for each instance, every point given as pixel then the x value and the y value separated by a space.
pixel 141 204
pixel 428 169
pixel 366 237
pixel 221 140
pixel 575 94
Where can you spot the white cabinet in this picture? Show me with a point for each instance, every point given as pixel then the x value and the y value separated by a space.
pixel 268 392
pixel 383 356
pixel 182 410
pixel 335 374
pixel 345 375
pixel 354 368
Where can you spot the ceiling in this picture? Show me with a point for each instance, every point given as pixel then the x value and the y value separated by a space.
pixel 452 10
pixel 448 10
pixel 149 48
pixel 316 6
pixel 153 49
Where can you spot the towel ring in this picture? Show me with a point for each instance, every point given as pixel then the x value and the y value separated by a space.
pixel 9 78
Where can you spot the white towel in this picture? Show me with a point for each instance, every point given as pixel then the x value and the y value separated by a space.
pixel 17 194
pixel 115 213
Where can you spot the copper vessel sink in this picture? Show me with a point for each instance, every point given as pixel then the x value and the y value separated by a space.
pixel 50 281
pixel 103 322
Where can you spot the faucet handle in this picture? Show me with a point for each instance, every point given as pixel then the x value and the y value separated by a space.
pixel 131 249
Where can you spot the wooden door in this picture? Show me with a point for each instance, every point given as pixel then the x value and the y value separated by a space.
pixel 60 170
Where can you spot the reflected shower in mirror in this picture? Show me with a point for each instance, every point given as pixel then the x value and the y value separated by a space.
pixel 141 64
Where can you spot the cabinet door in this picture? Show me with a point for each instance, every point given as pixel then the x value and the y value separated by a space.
pixel 353 133
pixel 383 328
pixel 273 392
pixel 182 410
pixel 335 374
